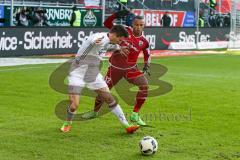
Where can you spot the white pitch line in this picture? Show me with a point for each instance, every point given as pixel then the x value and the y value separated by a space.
pixel 26 68
pixel 4 62
pixel 170 58
pixel 168 73
pixel 30 67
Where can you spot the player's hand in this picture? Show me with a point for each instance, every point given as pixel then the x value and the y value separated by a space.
pixel 124 51
pixel 122 13
pixel 98 41
pixel 146 69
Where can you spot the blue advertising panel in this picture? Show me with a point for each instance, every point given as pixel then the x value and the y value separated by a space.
pixel 189 20
pixel 1 13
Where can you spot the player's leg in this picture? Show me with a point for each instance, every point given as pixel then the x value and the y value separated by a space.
pixel 101 88
pixel 112 78
pixel 71 111
pixel 75 87
pixel 115 108
pixel 141 81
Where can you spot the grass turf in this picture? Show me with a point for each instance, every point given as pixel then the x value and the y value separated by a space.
pixel 199 117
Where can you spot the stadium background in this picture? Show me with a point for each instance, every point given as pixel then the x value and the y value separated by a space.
pixel 197 120
pixel 183 25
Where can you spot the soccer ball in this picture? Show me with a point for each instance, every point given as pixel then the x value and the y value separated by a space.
pixel 148 145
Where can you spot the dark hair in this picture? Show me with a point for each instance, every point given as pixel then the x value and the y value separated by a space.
pixel 138 17
pixel 119 30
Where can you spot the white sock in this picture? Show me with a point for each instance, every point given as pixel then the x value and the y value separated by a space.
pixel 119 113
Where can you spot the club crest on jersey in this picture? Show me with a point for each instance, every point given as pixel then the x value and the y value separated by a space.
pixel 140 43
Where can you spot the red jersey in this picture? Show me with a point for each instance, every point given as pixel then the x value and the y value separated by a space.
pixel 135 44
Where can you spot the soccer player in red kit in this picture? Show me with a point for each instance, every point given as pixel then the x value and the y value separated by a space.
pixel 124 65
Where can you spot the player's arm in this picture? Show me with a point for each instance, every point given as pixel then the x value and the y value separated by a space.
pixel 147 59
pixel 97 39
pixel 120 14
pixel 124 50
pixel 89 44
pixel 113 47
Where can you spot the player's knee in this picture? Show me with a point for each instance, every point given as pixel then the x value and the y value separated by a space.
pixel 108 98
pixel 99 99
pixel 72 108
pixel 73 105
pixel 71 111
pixel 144 87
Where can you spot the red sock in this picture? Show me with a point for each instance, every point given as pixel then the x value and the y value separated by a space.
pixel 141 97
pixel 138 105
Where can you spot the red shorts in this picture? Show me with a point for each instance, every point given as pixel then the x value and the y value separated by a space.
pixel 114 75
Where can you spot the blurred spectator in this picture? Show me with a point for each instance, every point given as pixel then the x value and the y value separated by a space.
pixel 166 20
pixel 22 18
pixel 219 20
pixel 212 20
pixel 227 20
pixel 40 18
pixel 76 18
pixel 130 17
pixel 30 14
pixel 213 4
pixel 201 21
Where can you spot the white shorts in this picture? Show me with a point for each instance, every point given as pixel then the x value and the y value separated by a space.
pixel 86 76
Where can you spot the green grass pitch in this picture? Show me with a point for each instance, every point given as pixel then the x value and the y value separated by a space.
pixel 200 116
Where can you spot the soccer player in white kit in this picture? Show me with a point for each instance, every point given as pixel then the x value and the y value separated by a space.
pixel 84 72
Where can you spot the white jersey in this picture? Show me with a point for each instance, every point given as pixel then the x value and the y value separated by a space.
pixel 86 71
pixel 89 47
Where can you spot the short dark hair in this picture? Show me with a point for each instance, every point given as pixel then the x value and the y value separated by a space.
pixel 138 17
pixel 119 30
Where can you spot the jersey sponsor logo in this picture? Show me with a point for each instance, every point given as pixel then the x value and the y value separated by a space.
pixel 132 47
pixel 140 43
